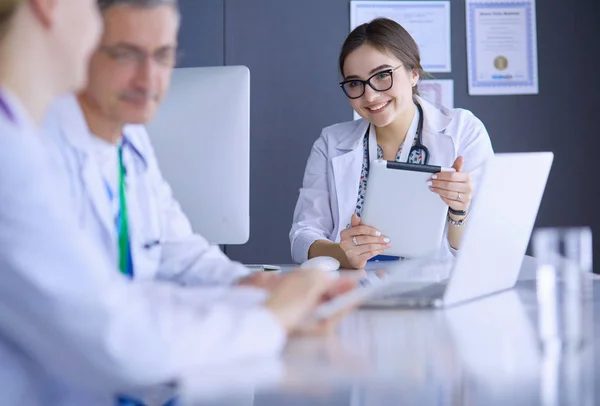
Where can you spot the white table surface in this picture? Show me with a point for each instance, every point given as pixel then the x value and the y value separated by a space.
pixel 528 268
pixel 486 352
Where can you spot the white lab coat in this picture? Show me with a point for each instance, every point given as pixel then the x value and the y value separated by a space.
pixel 70 324
pixel 153 214
pixel 329 190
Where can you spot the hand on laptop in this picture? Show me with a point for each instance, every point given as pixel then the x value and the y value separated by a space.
pixel 455 188
pixel 361 243
pixel 299 292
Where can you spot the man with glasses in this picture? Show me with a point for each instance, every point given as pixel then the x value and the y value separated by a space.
pixel 116 178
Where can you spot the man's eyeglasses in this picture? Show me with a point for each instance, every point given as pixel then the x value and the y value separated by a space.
pixel 380 82
pixel 166 57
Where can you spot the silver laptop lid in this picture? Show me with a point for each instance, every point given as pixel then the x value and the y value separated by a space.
pixel 499 227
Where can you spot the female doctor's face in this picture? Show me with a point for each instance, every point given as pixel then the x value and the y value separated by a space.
pixel 380 108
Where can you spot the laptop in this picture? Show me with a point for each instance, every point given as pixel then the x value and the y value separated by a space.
pixel 494 242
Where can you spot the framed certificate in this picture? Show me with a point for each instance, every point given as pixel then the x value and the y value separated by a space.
pixel 428 22
pixel 502 47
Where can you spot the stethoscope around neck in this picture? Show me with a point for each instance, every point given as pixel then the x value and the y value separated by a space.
pixel 418 154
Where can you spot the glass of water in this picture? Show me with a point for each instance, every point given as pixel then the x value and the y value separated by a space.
pixel 565 319
pixel 564 258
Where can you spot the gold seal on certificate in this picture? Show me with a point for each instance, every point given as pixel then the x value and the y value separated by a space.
pixel 501 62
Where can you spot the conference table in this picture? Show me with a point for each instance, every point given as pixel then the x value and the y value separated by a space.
pixel 491 351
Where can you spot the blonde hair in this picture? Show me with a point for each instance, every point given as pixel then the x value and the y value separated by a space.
pixel 7 9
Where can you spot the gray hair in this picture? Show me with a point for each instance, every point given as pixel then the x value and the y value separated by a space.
pixel 106 4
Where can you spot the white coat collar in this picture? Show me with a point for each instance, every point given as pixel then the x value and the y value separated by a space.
pixel 435 121
pixel 77 133
pixel 354 139
pixel 68 119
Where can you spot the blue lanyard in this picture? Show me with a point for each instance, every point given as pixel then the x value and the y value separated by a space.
pixel 5 109
pixel 124 401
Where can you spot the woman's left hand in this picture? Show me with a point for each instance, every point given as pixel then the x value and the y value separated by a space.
pixel 455 188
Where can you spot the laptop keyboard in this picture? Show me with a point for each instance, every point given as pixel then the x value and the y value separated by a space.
pixel 433 291
pixel 428 295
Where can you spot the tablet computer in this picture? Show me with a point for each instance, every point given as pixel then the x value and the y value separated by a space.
pixel 399 203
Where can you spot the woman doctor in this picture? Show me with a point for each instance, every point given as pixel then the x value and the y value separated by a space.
pixel 380 66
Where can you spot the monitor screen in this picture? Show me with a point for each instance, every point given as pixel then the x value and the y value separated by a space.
pixel 201 135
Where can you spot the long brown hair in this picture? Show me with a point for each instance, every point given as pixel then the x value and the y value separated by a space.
pixel 386 36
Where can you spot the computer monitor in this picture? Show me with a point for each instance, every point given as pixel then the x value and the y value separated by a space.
pixel 201 135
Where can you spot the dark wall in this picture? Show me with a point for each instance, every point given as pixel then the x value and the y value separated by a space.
pixel 291 48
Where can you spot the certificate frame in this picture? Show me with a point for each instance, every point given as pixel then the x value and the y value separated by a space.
pixel 359 7
pixel 529 85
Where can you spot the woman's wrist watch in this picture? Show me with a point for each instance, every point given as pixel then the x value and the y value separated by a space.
pixel 462 213
pixel 457 212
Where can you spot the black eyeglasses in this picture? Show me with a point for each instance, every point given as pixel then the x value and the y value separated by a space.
pixel 380 82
